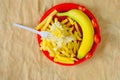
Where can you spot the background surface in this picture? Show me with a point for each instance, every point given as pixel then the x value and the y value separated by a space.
pixel 21 59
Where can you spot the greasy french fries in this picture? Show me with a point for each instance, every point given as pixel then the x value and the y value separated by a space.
pixel 76 35
pixel 68 24
pixel 67 52
pixel 45 20
pixel 47 23
pixel 71 21
pixel 63 59
pixel 76 26
pixel 64 21
pixel 66 61
pixel 41 24
pixel 56 19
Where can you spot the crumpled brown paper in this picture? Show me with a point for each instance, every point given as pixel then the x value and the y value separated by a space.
pixel 21 59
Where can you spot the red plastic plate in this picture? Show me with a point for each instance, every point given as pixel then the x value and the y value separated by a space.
pixel 65 7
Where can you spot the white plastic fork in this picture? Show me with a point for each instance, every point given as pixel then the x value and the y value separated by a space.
pixel 43 34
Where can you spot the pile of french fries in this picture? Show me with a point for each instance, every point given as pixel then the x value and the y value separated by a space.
pixel 65 54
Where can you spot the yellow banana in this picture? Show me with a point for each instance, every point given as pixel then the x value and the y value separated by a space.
pixel 87 30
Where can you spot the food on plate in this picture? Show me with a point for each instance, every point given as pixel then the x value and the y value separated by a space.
pixel 46 21
pixel 70 39
pixel 87 29
pixel 64 39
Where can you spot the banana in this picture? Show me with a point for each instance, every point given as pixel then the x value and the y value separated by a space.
pixel 87 30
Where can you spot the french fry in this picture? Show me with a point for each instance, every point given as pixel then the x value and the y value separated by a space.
pixel 65 32
pixel 57 32
pixel 71 21
pixel 68 24
pixel 50 49
pixel 74 37
pixel 41 25
pixel 70 30
pixel 54 44
pixel 49 26
pixel 64 21
pixel 70 45
pixel 63 59
pixel 43 45
pixel 51 22
pixel 51 52
pixel 66 50
pixel 78 45
pixel 72 54
pixel 75 46
pixel 74 59
pixel 66 54
pixel 65 28
pixel 77 29
pixel 56 20
pixel 77 36
pixel 47 23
